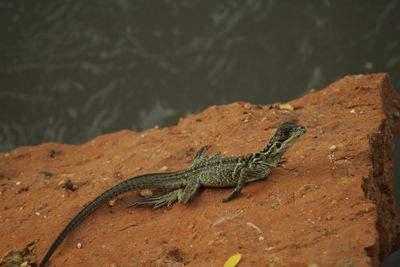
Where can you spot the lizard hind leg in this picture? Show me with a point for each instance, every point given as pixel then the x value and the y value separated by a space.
pixel 188 191
pixel 158 201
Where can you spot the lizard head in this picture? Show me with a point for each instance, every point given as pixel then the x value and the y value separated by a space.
pixel 285 136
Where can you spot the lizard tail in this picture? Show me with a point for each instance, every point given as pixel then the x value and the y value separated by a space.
pixel 158 180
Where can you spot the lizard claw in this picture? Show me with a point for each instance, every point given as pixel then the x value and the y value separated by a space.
pixel 282 161
pixel 231 196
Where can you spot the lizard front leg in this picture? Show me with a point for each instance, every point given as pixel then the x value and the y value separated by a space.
pixel 238 174
pixel 200 155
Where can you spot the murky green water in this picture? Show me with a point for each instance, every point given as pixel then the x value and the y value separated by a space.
pixel 72 70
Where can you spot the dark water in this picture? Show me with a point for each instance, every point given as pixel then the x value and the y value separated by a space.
pixel 71 70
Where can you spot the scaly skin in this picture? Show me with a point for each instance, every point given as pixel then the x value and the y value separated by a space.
pixel 208 171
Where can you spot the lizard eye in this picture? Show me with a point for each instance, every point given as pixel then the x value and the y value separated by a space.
pixel 278 145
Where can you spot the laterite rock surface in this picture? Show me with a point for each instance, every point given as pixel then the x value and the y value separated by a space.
pixel 330 204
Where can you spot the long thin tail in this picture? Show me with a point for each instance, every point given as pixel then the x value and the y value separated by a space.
pixel 158 180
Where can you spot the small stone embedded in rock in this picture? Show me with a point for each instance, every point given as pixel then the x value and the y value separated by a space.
pixel 21 190
pixel 268 248
pixel 51 153
pixel 111 202
pixel 67 184
pixel 332 148
pixel 79 245
pixel 41 206
pixel 164 168
pixel 117 175
pixel 146 193
pixel 175 255
pixel 46 173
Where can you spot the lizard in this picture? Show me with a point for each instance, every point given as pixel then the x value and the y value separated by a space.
pixel 206 171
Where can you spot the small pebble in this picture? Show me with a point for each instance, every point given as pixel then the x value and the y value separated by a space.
pixel 333 148
pixel 46 173
pixel 117 175
pixel 79 245
pixel 67 184
pixel 41 207
pixel 112 202
pixel 164 168
pixel 146 193
pixel 51 153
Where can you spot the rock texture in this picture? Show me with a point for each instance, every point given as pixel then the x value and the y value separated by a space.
pixel 331 204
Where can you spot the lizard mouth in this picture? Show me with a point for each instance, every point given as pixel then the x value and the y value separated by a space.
pixel 302 129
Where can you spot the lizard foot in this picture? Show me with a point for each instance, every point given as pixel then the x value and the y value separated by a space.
pixel 231 196
pixel 158 201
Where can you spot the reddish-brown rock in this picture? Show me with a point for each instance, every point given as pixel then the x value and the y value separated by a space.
pixel 331 204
